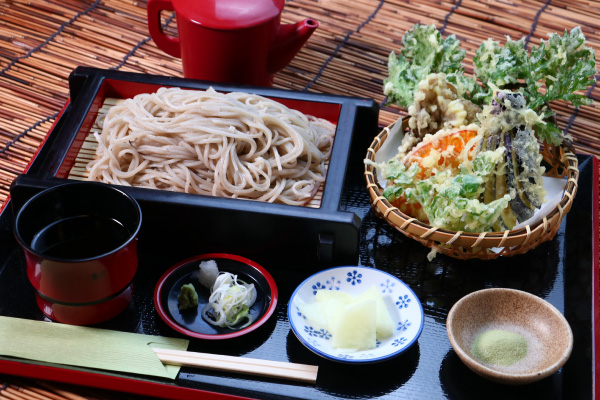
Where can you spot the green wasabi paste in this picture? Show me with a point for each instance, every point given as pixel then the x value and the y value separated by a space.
pixel 188 298
pixel 499 347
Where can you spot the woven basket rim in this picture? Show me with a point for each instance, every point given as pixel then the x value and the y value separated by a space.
pixel 529 235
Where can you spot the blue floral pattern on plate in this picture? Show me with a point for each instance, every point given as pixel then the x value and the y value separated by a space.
pixel 404 306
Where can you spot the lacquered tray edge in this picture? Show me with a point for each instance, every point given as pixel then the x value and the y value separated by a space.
pixel 108 382
pixel 144 387
pixel 596 282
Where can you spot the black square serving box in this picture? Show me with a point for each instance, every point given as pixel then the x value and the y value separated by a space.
pixel 190 224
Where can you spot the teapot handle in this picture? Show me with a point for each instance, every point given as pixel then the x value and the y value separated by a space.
pixel 169 45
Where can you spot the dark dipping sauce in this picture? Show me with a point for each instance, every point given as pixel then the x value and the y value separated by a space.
pixel 80 237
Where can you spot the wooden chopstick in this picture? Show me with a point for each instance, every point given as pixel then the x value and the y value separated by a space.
pixel 243 365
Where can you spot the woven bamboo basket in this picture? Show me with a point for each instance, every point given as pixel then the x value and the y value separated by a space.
pixel 560 161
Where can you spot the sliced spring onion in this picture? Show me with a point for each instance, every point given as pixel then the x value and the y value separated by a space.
pixel 229 302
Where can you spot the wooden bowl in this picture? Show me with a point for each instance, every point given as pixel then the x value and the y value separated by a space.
pixel 547 332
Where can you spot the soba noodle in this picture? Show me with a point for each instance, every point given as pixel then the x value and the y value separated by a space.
pixel 235 145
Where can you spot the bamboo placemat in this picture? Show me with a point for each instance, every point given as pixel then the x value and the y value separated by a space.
pixel 17 389
pixel 42 41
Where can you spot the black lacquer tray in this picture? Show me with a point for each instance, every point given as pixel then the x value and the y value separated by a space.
pixel 561 271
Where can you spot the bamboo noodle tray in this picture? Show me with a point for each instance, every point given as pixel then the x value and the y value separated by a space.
pixel 87 153
pixel 486 245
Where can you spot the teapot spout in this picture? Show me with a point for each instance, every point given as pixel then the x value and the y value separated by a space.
pixel 288 42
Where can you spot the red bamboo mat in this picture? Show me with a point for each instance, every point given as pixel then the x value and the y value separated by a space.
pixel 42 41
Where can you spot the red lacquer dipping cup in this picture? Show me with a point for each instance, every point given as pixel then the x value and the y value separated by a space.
pixel 80 247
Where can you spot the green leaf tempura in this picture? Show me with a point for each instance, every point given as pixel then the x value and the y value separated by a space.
pixel 424 51
pixel 450 201
pixel 500 66
pixel 562 64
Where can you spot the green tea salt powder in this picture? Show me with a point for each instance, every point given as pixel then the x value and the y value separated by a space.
pixel 501 347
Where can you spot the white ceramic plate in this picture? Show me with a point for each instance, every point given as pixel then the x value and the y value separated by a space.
pixel 404 307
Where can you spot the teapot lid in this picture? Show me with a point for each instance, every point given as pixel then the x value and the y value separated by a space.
pixel 228 14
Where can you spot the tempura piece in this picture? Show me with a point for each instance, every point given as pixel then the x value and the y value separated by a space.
pixel 437 106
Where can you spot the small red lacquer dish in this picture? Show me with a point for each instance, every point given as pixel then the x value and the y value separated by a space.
pixel 190 322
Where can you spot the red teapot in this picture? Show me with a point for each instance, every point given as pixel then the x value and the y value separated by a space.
pixel 233 41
